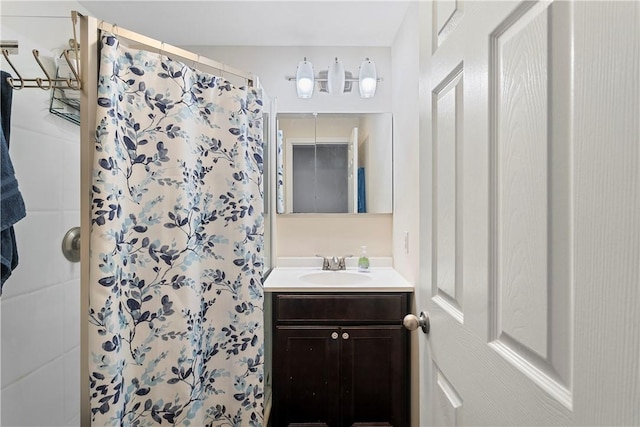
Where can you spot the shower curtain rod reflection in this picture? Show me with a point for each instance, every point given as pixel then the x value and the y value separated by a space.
pixel 165 48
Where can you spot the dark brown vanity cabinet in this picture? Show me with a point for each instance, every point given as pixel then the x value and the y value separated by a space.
pixel 340 360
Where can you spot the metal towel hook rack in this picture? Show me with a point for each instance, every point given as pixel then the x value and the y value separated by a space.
pixel 18 83
pixel 49 80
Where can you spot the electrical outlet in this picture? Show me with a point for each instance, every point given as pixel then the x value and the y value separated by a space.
pixel 406 242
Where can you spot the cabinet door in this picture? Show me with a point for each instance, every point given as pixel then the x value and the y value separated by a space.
pixel 306 379
pixel 374 376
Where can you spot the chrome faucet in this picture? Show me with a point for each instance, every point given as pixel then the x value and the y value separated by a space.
pixel 334 263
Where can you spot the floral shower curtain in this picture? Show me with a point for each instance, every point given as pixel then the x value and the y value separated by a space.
pixel 176 321
pixel 280 172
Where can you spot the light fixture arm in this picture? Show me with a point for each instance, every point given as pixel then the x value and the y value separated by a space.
pixel 324 79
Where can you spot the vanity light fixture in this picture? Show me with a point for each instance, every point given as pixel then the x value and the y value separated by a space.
pixel 304 79
pixel 336 80
pixel 367 79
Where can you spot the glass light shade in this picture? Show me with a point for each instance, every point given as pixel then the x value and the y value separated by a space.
pixel 367 79
pixel 336 78
pixel 304 79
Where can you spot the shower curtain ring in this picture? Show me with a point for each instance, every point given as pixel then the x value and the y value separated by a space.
pixel 196 62
pixel 161 48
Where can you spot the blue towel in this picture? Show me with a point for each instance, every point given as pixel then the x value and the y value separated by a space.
pixel 362 196
pixel 12 207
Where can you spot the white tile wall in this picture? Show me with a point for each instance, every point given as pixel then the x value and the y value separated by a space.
pixel 37 399
pixel 40 316
pixel 70 320
pixel 71 175
pixel 71 401
pixel 32 332
pixel 39 265
pixel 42 193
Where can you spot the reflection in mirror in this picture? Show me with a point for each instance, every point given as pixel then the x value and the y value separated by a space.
pixel 334 163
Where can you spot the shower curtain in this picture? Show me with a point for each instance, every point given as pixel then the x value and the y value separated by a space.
pixel 176 299
pixel 280 172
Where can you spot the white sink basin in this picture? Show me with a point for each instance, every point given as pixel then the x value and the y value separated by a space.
pixel 336 278
pixel 313 279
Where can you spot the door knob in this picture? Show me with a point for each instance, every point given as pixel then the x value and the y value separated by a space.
pixel 412 322
pixel 71 245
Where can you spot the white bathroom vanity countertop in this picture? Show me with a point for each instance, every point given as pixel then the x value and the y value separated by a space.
pixel 314 279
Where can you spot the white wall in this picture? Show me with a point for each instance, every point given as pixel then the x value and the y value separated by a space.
pixel 405 55
pixel 333 234
pixel 406 212
pixel 273 63
pixel 41 301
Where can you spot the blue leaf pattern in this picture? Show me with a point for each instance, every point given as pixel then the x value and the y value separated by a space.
pixel 280 173
pixel 176 298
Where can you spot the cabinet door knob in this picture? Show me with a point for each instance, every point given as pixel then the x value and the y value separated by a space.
pixel 412 322
pixel 334 335
pixel 345 336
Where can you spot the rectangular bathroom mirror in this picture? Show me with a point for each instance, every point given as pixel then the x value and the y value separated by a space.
pixel 334 163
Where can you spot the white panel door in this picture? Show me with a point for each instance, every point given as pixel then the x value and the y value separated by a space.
pixel 530 213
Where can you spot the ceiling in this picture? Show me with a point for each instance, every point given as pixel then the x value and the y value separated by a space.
pixel 257 23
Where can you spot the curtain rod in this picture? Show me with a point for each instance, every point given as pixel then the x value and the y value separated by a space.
pixel 167 48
